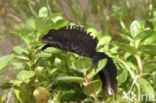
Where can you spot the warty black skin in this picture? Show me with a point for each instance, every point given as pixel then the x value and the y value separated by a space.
pixel 75 39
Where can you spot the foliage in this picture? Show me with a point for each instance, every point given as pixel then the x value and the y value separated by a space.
pixel 62 76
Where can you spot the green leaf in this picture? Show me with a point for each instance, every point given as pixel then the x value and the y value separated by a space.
pixel 43 25
pixel 25 75
pixel 104 40
pixel 122 77
pixel 144 34
pixel 56 17
pixel 101 65
pixel 4 61
pixel 52 50
pixel 145 37
pixel 43 12
pixel 60 23
pixel 23 57
pixel 17 93
pixel 83 64
pixel 126 47
pixel 114 50
pixel 25 38
pixel 57 98
pixel 93 88
pixel 16 82
pixel 149 66
pixel 147 88
pixel 149 49
pixel 154 15
pixel 149 40
pixel 135 28
pixel 52 71
pixel 15 34
pixel 30 24
pixel 19 50
pixel 18 64
pixel 44 54
pixel 93 32
pixel 126 37
pixel 70 79
pixel 23 95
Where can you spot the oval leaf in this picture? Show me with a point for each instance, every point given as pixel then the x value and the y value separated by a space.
pixel 104 40
pixel 122 77
pixel 92 88
pixel 149 66
pixel 60 23
pixel 148 89
pixel 19 50
pixel 70 79
pixel 150 49
pixel 23 95
pixel 126 47
pixel 135 28
pixel 43 12
pixel 44 54
pixel 4 60
pixel 83 64
pixel 144 34
pixel 25 75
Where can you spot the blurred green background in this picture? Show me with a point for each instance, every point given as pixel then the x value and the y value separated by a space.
pixel 126 30
pixel 108 16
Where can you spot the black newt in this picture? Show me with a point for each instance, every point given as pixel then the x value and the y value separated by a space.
pixel 76 39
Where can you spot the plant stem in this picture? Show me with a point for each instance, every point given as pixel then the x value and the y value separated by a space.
pixel 139 65
pixel 31 9
pixel 122 24
pixel 128 68
pixel 139 62
pixel 48 6
pixel 86 79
